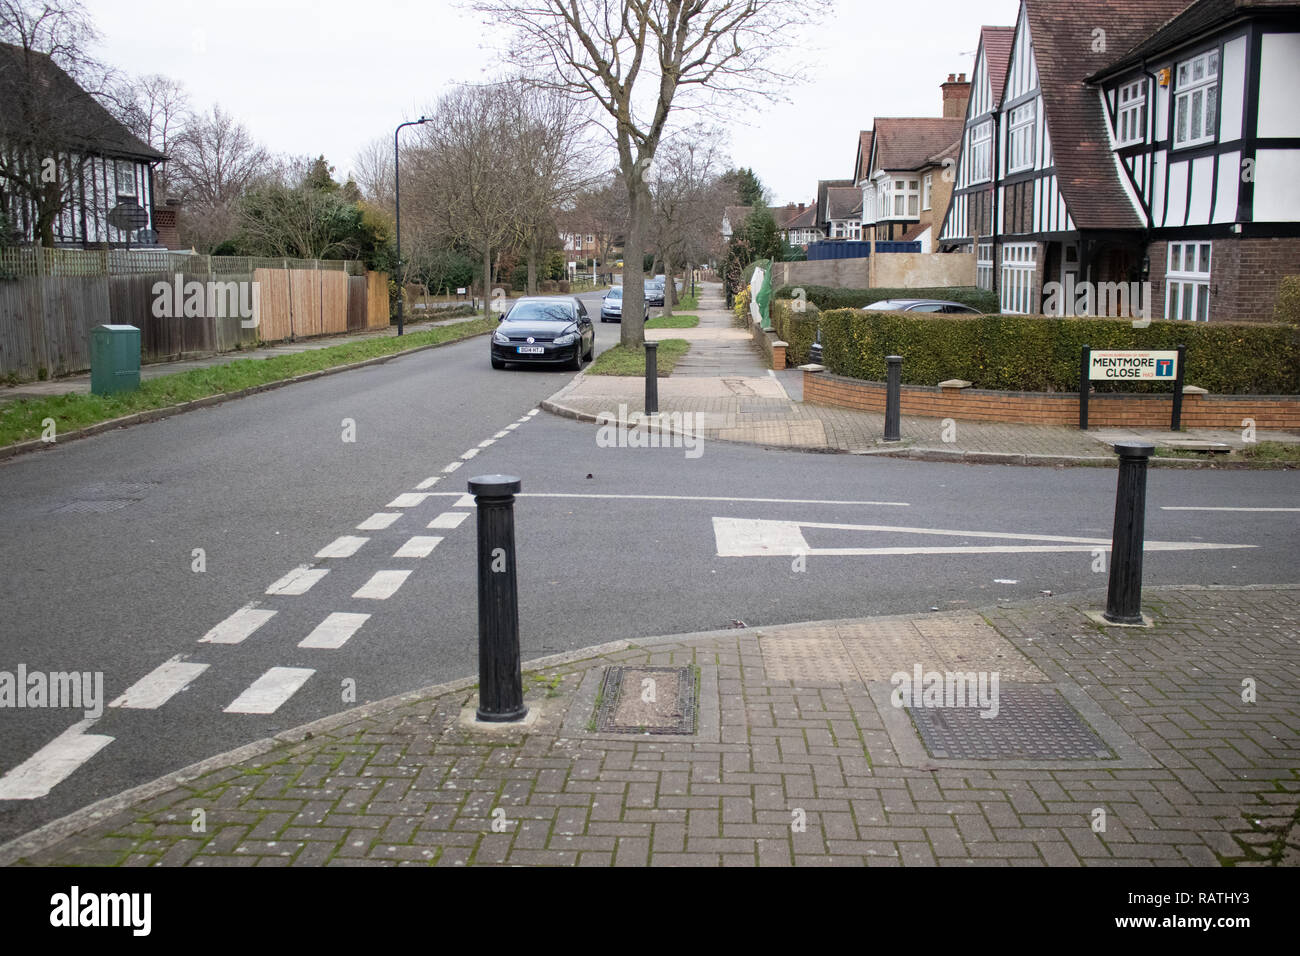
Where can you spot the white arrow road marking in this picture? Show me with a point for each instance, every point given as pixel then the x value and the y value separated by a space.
pixel 750 537
pixel 408 500
pixel 449 519
pixel 334 631
pixel 236 628
pixel 421 546
pixel 379 521
pixel 382 585
pixel 52 764
pixel 160 685
pixel 298 581
pixel 268 692
pixel 343 547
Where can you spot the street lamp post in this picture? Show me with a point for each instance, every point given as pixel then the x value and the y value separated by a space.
pixel 397 187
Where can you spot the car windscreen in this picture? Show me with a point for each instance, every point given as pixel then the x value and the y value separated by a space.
pixel 541 312
pixel 616 292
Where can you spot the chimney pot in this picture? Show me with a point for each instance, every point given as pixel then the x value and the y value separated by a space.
pixel 952 77
pixel 961 78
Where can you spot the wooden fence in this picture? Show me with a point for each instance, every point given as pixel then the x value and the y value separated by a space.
pixel 51 300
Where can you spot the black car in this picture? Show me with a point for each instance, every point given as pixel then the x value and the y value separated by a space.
pixel 611 307
pixel 654 292
pixel 548 331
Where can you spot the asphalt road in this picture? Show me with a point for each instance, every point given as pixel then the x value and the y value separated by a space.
pixel 98 539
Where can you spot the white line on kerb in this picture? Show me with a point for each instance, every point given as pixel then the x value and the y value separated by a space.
pixel 52 764
pixel 268 692
pixel 382 585
pixel 343 547
pixel 334 631
pixel 449 519
pixel 298 581
pixel 379 521
pixel 160 685
pixel 421 546
pixel 236 628
pixel 428 483
pixel 1199 508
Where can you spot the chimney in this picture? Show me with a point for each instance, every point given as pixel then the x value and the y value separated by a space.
pixel 956 94
pixel 802 207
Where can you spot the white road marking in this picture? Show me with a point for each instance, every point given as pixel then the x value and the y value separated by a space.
pixel 749 537
pixel 382 585
pixel 408 500
pixel 298 581
pixel 236 628
pixel 420 546
pixel 52 764
pixel 343 547
pixel 487 442
pixel 268 692
pixel 453 466
pixel 532 413
pixel 780 501
pixel 1197 508
pixel 428 483
pixel 449 519
pixel 469 454
pixel 512 427
pixel 379 521
pixel 465 501
pixel 160 685
pixel 501 434
pixel 334 631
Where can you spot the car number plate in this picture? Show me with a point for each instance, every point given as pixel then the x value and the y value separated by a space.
pixel 531 350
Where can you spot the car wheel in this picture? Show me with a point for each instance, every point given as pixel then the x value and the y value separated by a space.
pixel 497 363
pixel 576 364
pixel 591 351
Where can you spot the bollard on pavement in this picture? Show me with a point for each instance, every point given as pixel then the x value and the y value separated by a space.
pixel 652 378
pixel 501 693
pixel 1124 594
pixel 893 396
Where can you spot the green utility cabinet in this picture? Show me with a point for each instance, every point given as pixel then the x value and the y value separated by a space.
pixel 114 359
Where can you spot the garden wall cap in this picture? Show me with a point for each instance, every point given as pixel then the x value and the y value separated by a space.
pixel 812 368
pixel 1194 390
pixel 955 383
pixel 778 344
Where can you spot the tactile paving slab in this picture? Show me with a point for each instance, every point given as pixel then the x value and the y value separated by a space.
pixel 807 660
pixel 647 700
pixel 1032 722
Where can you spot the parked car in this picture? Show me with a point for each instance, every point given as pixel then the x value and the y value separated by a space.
pixel 920 305
pixel 544 330
pixel 611 307
pixel 654 292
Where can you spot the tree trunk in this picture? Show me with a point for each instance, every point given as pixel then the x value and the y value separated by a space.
pixel 487 282
pixel 632 330
pixel 669 285
pixel 532 266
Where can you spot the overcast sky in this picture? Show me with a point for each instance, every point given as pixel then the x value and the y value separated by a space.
pixel 322 76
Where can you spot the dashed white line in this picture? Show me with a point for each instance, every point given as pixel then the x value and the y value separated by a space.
pixel 268 692
pixel 382 585
pixel 343 547
pixel 501 434
pixel 236 628
pixel 465 501
pixel 453 466
pixel 512 427
pixel 532 413
pixel 469 454
pixel 298 581
pixel 449 519
pixel 408 500
pixel 334 631
pixel 428 483
pixel 160 685
pixel 1197 508
pixel 52 764
pixel 421 546
pixel 379 521
pixel 487 442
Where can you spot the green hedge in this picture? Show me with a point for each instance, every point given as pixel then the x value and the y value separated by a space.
pixel 1041 354
pixel 1288 300
pixel 797 329
pixel 827 298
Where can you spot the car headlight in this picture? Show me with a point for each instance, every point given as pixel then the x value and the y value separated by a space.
pixel 568 338
pixel 500 338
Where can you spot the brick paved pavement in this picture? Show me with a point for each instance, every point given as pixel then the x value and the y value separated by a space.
pixel 798 758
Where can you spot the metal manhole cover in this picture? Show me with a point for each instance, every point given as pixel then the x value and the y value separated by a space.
pixel 100 506
pixel 1031 723
pixel 647 700
pixel 103 496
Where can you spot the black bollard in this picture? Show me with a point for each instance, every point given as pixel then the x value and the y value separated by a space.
pixel 501 691
pixel 893 397
pixel 652 378
pixel 1124 594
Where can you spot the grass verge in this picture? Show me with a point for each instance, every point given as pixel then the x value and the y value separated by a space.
pixel 687 302
pixel 621 360
pixel 674 322
pixel 1264 452
pixel 23 419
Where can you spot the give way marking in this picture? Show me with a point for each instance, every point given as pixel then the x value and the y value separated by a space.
pixel 755 537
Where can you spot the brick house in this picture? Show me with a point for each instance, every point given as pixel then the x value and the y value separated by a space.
pixel 1147 146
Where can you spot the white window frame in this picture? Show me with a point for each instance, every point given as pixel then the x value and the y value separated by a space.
pixel 927 192
pixel 1187 281
pixel 124 174
pixel 984 265
pixel 906 199
pixel 1131 113
pixel 981 153
pixel 1019 263
pixel 1021 123
pixel 1191 91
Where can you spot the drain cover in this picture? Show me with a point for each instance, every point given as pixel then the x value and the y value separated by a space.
pixel 102 497
pixel 99 506
pixel 654 700
pixel 1031 722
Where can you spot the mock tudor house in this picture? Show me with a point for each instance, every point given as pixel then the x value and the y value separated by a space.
pixel 1137 146
pixel 796 223
pixel 105 165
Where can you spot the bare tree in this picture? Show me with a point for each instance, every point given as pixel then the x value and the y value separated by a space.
pixel 638 61
pixel 155 108
pixel 215 161
pixel 599 211
pixel 372 168
pixel 689 196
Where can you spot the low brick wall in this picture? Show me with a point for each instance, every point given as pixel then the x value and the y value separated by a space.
pixel 1110 410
